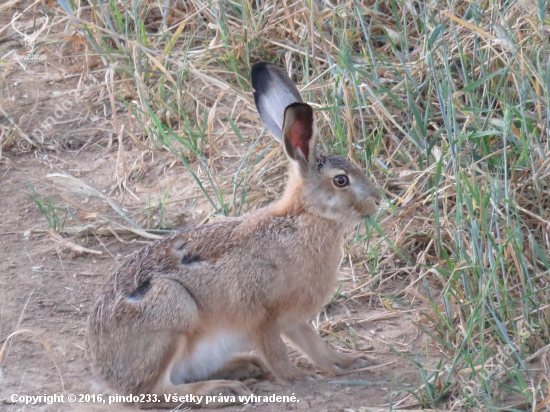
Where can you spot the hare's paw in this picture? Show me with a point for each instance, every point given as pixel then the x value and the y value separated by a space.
pixel 242 368
pixel 301 376
pixel 253 368
pixel 346 363
pixel 222 393
pixel 225 388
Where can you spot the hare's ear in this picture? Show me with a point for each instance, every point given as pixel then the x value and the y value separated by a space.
pixel 299 133
pixel 273 92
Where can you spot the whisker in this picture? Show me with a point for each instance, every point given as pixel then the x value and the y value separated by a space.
pixel 334 227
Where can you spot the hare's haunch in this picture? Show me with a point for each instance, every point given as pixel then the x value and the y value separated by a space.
pixel 177 317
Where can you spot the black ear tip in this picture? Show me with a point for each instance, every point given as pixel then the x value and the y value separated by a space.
pixel 259 66
pixel 259 70
pixel 273 92
pixel 300 108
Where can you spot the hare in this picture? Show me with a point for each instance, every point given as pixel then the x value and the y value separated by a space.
pixel 176 317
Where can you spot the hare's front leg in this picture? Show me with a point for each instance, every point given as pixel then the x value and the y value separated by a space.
pixel 314 347
pixel 273 349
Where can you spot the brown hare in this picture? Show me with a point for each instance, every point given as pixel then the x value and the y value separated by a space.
pixel 176 317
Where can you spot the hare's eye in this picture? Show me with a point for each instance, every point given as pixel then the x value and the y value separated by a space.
pixel 341 181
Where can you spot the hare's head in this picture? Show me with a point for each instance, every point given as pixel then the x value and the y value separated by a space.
pixel 331 187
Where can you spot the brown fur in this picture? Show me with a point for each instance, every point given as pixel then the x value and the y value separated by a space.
pixel 174 317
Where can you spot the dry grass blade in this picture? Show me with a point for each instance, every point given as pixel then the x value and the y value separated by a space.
pixel 44 344
pixel 70 245
pixel 82 188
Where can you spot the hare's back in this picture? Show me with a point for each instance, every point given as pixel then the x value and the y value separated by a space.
pixel 145 275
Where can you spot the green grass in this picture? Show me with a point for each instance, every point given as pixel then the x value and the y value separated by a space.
pixel 155 213
pixel 445 103
pixel 55 215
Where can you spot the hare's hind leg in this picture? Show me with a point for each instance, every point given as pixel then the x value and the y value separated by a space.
pixel 203 370
pixel 131 340
pixel 211 394
pixel 211 355
pixel 312 345
pixel 187 380
pixel 241 368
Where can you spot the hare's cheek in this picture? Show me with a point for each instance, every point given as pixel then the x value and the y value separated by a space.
pixel 334 207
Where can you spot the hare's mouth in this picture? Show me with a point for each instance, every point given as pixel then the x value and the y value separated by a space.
pixel 358 217
pixel 368 209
